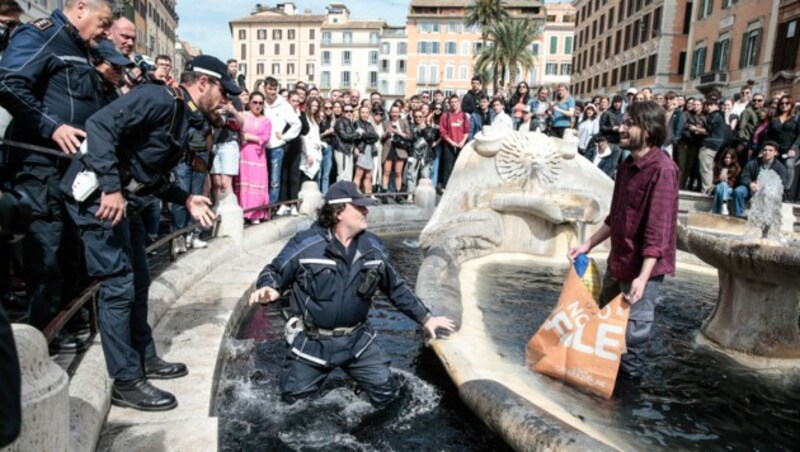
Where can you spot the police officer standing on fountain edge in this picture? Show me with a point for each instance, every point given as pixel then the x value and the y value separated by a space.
pixel 334 269
pixel 133 144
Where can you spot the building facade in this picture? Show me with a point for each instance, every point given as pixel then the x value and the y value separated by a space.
pixel 442 49
pixel 555 48
pixel 393 63
pixel 279 42
pixel 349 51
pixel 785 73
pixel 162 23
pixel 620 44
pixel 730 43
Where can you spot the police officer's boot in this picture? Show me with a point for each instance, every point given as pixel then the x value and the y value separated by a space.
pixel 157 369
pixel 141 395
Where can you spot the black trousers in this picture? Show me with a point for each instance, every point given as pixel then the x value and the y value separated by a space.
pixel 446 163
pixel 290 170
pixel 52 249
pixel 10 384
pixel 117 258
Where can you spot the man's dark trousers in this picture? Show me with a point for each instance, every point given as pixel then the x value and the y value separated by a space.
pixel 52 250
pixel 117 258
pixel 448 161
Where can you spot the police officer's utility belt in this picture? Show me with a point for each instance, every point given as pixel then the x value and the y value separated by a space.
pixel 336 332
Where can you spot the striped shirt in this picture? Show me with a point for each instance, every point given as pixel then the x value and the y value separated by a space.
pixel 644 216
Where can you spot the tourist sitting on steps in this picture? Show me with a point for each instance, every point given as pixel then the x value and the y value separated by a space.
pixel 748 181
pixel 726 173
pixel 334 269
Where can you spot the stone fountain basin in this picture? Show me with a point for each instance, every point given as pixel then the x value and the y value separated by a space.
pixel 557 207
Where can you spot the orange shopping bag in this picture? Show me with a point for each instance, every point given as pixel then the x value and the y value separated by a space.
pixel 579 342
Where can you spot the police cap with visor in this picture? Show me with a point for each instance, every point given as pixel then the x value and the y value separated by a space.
pixel 212 67
pixel 346 192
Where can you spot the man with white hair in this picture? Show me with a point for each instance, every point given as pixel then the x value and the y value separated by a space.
pixel 49 86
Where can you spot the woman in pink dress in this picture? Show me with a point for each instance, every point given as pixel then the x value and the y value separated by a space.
pixel 252 185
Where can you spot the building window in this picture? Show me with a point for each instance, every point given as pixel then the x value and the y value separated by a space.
pixel 312 34
pixel 476 48
pixel 698 62
pixel 311 49
pixel 290 34
pixel 277 49
pixel 645 27
pixel 373 79
pixel 450 48
pixel 385 86
pixel 635 34
pixel 566 69
pixel 242 34
pixel 551 68
pixel 610 18
pixel 289 68
pixel 640 69
pixel 402 48
pixel 568 45
pixel 401 67
pixel 259 68
pixel 421 72
pixel 628 37
pixel 277 35
pixel 347 38
pixel 276 68
pixel 786 53
pixel 751 42
pixel 608 46
pixel 706 6
pixel 243 54
pixel 310 71
pixel 463 72
pixel 385 48
pixel 656 22
pixel 455 27
pixel 613 76
pixel 553 45
pixel 400 87
pixel 719 58
pixel 262 34
pixel 435 48
pixel 384 66
pixel 449 72
pixel 346 79
pixel 346 58
pixel 326 57
pixel 325 81
pixel 291 49
pixel 434 74
pixel 423 48
pixel 373 58
pixel 651 65
pixel 261 49
pixel 618 42
pixel 374 38
pixel 326 37
pixel 535 49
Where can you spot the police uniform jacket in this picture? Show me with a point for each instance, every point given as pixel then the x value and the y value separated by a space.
pixel 325 290
pixel 47 80
pixel 139 137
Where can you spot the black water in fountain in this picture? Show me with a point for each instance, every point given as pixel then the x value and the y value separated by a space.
pixel 429 416
pixel 691 398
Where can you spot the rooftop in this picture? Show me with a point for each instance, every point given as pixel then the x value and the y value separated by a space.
pixel 271 18
pixel 465 3
pixel 356 25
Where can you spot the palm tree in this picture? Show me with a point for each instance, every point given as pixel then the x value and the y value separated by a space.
pixel 510 49
pixel 485 13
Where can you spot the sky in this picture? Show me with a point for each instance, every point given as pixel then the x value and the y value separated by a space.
pixel 204 23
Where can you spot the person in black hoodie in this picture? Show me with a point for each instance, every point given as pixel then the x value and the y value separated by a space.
pixel 365 150
pixel 346 137
pixel 470 100
pixel 610 124
pixel 290 170
pixel 714 137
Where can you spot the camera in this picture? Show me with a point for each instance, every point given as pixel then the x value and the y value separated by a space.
pixel 15 215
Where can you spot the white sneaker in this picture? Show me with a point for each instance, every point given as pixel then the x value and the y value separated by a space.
pixel 179 245
pixel 725 208
pixel 283 210
pixel 293 211
pixel 195 242
pixel 410 199
pixel 255 222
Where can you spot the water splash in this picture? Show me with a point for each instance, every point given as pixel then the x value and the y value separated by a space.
pixel 765 217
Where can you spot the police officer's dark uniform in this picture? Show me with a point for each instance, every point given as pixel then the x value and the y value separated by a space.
pixel 47 80
pixel 332 290
pixel 133 144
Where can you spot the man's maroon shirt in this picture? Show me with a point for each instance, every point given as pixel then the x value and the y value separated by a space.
pixel 644 216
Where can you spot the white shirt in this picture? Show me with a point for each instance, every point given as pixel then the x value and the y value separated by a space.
pixel 281 113
pixel 503 120
pixel 586 130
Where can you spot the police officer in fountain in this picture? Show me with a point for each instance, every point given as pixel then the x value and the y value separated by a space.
pixel 334 268
pixel 132 145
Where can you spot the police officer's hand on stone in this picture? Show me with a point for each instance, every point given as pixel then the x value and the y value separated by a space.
pixel 112 207
pixel 264 295
pixel 68 138
pixel 438 322
pixel 200 209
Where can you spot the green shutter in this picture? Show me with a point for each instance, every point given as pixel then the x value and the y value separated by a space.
pixel 743 50
pixel 715 56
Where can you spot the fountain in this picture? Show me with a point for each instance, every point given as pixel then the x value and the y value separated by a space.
pixel 755 319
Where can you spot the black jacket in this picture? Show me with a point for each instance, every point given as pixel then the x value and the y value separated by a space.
pixel 786 134
pixel 366 142
pixel 751 170
pixel 346 135
pixel 470 101
pixel 611 118
pixel 47 80
pixel 717 131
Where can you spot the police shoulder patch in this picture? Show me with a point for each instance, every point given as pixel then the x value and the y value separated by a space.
pixel 42 23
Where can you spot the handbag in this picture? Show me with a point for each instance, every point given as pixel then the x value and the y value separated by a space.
pixel 401 143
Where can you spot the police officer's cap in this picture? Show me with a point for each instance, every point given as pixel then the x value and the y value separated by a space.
pixel 346 192
pixel 212 67
pixel 108 52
